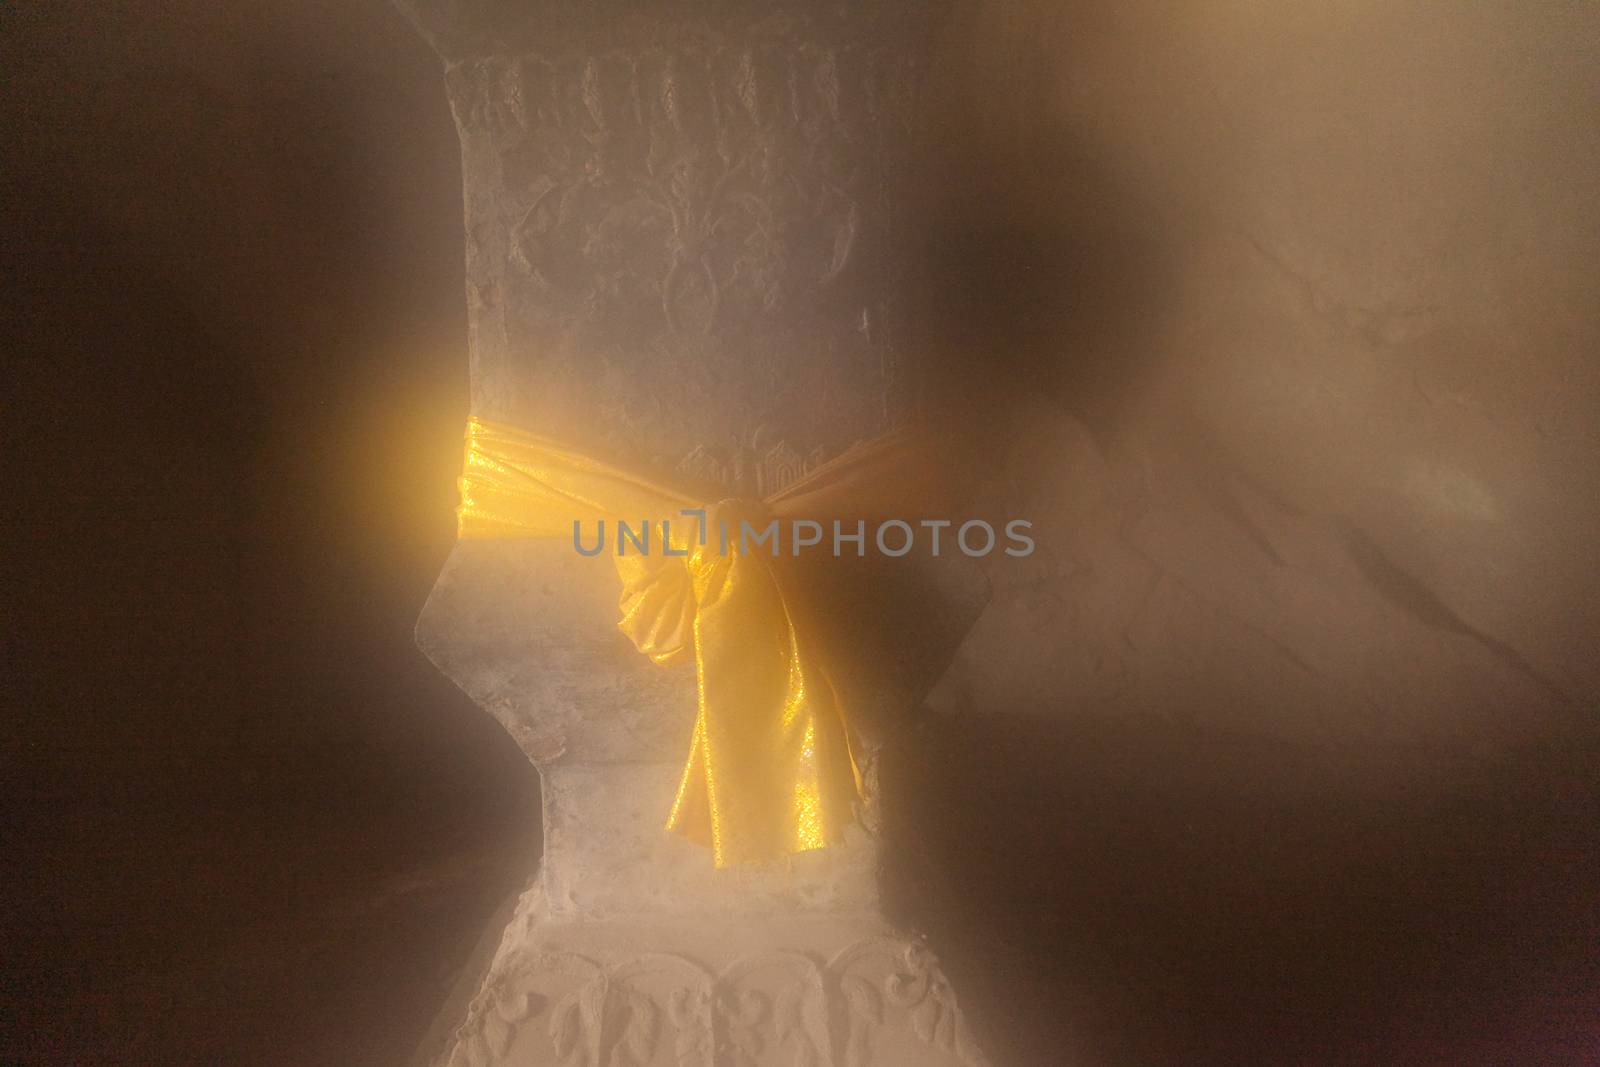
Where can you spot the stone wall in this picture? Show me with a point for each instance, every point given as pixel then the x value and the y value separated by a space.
pixel 1294 708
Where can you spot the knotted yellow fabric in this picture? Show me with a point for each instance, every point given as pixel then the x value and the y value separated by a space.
pixel 770 769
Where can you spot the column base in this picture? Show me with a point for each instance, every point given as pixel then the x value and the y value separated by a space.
pixel 795 990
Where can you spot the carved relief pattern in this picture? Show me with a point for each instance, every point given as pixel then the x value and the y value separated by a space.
pixel 685 243
pixel 759 468
pixel 775 1007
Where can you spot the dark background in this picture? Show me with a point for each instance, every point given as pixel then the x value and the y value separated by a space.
pixel 251 825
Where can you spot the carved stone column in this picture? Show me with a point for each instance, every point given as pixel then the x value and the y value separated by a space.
pixel 681 250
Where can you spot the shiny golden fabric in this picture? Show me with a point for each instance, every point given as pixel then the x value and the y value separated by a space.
pixel 770 769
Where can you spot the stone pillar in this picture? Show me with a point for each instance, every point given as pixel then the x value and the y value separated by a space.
pixel 681 225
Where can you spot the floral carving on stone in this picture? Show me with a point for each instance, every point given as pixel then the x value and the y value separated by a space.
pixel 770 1007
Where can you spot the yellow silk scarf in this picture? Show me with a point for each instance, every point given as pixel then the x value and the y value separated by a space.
pixel 770 768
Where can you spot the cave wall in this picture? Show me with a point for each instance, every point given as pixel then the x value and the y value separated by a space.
pixel 1286 327
pixel 1359 294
